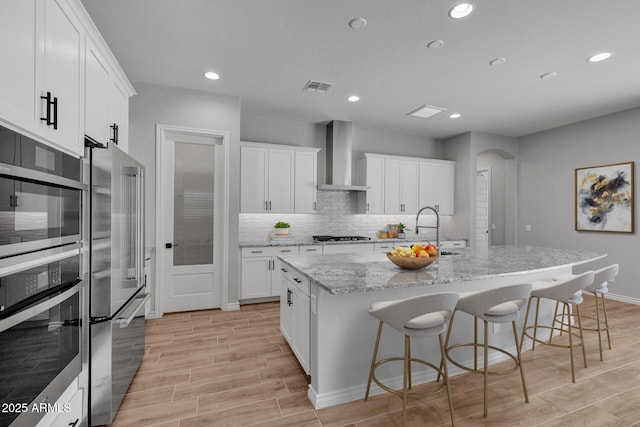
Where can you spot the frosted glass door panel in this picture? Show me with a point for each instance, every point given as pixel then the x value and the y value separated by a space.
pixel 193 204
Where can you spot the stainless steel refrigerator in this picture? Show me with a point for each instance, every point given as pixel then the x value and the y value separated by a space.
pixel 117 289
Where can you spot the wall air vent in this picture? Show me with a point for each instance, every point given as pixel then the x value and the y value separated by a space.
pixel 317 86
pixel 426 111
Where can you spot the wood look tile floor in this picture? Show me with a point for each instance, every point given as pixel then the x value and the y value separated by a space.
pixel 216 368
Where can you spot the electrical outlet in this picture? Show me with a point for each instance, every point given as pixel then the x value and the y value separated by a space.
pixel 493 226
pixel 527 227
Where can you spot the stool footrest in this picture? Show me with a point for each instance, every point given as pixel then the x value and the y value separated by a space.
pixel 576 336
pixel 481 371
pixel 399 392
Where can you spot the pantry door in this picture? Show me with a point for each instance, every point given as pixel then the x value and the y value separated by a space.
pixel 483 200
pixel 191 237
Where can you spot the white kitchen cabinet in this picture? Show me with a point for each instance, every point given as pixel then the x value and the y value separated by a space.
pixel 452 244
pixel 400 186
pixel 371 173
pixel 305 181
pixel 387 246
pixel 69 408
pixel 97 85
pixel 295 315
pixel 58 76
pixel 311 250
pixel 261 271
pixel 347 248
pixel 266 180
pixel 17 47
pixel 119 115
pixel 437 185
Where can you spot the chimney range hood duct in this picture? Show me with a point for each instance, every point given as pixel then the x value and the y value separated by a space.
pixel 338 160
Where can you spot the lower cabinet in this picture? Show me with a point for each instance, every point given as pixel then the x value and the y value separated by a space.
pixel 295 314
pixel 260 271
pixel 67 410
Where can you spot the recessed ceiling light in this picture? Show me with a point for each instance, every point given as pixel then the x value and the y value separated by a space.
pixel 435 44
pixel 358 23
pixel 599 57
pixel 498 61
pixel 550 75
pixel 461 10
pixel 211 75
pixel 455 115
pixel 353 98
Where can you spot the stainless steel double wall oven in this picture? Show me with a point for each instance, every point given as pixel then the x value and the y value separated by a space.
pixel 42 292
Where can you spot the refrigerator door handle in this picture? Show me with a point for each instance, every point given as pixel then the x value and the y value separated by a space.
pixel 125 322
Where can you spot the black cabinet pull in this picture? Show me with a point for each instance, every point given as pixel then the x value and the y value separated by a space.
pixel 289 302
pixel 297 280
pixel 47 117
pixel 114 129
pixel 55 112
pixel 284 270
pixel 74 423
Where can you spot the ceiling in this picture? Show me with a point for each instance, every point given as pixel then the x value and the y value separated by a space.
pixel 265 52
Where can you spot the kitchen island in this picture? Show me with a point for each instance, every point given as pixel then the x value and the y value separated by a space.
pixel 340 289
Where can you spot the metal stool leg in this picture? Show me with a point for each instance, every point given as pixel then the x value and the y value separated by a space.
pixel 598 326
pixel 524 383
pixel 584 352
pixel 606 321
pixel 486 364
pixel 373 361
pixel 405 380
pixel 573 374
pixel 445 378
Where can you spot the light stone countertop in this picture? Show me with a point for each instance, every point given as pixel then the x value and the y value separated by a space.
pixel 348 273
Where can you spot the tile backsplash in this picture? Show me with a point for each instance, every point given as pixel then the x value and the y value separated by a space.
pixel 337 215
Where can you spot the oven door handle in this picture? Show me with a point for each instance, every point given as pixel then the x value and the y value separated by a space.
pixel 125 322
pixel 28 313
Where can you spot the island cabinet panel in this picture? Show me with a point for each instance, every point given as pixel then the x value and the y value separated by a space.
pixel 261 271
pixel 295 315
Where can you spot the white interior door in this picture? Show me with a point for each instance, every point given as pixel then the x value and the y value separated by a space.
pixel 190 236
pixel 483 179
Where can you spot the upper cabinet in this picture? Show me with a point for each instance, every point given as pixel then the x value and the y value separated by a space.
pixel 277 178
pixel 57 88
pixel 402 185
pixel 437 180
pixel 17 45
pixel 370 170
pixel 305 181
pixel 119 115
pixel 59 68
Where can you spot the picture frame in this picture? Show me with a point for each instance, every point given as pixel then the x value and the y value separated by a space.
pixel 604 198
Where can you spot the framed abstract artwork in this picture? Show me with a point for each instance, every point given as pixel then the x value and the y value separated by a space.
pixel 604 198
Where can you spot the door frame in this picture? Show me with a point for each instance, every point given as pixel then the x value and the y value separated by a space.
pixel 163 134
pixel 489 173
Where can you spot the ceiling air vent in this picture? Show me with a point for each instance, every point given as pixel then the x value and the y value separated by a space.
pixel 317 86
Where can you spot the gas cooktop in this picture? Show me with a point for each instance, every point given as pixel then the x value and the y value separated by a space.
pixel 339 238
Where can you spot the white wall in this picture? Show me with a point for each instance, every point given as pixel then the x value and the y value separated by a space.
pixel 187 108
pixel 547 162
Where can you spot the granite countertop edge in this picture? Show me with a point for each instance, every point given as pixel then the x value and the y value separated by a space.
pixel 307 242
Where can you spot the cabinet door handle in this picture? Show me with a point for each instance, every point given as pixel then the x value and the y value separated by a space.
pixel 49 102
pixel 297 280
pixel 284 270
pixel 114 128
pixel 256 252
pixel 285 250
pixel 74 423
pixel 269 204
pixel 311 250
pixel 266 205
pixel 289 301
pixel 367 206
pixel 315 206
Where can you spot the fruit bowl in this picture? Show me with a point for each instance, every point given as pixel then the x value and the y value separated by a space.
pixel 411 263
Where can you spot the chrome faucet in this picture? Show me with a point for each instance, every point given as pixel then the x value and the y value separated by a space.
pixel 437 227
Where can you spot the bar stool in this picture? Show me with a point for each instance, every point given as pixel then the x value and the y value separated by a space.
pixel 500 305
pixel 598 288
pixel 569 293
pixel 416 317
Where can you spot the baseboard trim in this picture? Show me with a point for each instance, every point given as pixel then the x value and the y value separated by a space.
pixel 230 306
pixel 623 298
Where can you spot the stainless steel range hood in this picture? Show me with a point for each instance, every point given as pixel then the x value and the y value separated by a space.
pixel 339 158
